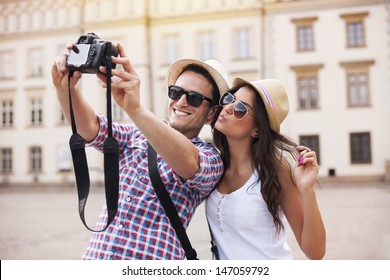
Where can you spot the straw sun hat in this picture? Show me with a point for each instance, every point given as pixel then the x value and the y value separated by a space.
pixel 274 97
pixel 214 67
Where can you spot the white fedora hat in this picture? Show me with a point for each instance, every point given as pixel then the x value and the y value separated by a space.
pixel 274 97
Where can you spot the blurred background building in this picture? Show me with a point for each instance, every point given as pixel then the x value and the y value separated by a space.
pixel 332 56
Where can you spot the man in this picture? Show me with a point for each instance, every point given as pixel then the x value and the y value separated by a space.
pixel 188 166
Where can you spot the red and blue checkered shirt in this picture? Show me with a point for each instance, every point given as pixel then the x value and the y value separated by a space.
pixel 141 229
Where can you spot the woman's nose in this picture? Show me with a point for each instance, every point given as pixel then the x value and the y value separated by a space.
pixel 228 108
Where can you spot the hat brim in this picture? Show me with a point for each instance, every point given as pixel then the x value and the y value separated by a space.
pixel 176 69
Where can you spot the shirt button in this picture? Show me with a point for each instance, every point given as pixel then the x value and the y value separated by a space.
pixel 111 253
pixel 120 226
pixel 128 199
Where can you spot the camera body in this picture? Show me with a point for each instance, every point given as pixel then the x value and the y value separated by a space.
pixel 89 53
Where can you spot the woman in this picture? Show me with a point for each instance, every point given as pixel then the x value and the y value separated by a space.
pixel 268 179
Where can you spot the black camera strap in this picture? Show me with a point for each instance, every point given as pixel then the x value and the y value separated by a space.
pixel 168 205
pixel 111 157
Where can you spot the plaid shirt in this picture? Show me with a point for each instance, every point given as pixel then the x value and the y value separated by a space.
pixel 141 230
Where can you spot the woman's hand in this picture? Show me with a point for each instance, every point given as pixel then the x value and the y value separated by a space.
pixel 306 169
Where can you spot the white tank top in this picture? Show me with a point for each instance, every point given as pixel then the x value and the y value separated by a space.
pixel 243 228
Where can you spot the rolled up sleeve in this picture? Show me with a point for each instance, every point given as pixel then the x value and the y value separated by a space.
pixel 210 169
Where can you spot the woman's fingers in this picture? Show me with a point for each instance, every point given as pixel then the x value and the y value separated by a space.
pixel 306 155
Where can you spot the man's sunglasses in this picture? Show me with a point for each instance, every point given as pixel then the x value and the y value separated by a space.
pixel 194 98
pixel 240 110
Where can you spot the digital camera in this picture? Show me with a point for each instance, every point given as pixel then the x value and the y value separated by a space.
pixel 89 53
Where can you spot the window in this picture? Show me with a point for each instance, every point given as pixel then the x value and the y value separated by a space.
pixel 6 161
pixel 357 88
pixel 35 159
pixel 36 111
pixel 11 24
pixel 205 45
pixel 7 113
pixel 7 65
pixel 357 80
pixel 355 34
pixel 313 142
pixel 304 34
pixel 355 29
pixel 170 48
pixel 35 62
pixel 242 43
pixel 117 112
pixel 305 41
pixel 360 147
pixel 64 159
pixel 307 86
pixel 308 92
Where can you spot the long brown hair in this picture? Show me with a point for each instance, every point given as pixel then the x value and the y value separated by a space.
pixel 267 155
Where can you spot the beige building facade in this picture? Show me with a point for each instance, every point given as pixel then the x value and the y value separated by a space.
pixel 332 56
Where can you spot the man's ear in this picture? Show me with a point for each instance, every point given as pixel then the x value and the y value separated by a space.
pixel 211 115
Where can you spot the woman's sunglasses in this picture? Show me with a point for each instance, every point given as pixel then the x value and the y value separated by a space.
pixel 240 110
pixel 194 98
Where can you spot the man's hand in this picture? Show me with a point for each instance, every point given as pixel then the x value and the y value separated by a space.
pixel 125 85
